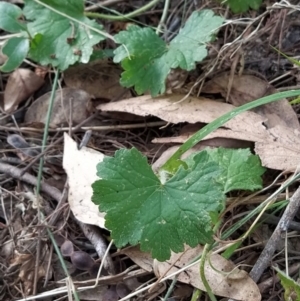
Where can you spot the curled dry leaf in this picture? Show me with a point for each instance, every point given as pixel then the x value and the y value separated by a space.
pixel 68 104
pixel 185 133
pixel 246 88
pixel 20 85
pixel 224 278
pixel 278 147
pixel 80 166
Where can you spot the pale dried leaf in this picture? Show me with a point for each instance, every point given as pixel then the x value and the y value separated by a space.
pixel 224 283
pixel 192 110
pixel 20 85
pixel 80 166
pixel 283 152
pixel 246 88
pixel 277 147
pixel 68 103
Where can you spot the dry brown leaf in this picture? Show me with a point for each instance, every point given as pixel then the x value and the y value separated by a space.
pixel 246 88
pixel 27 268
pixel 20 85
pixel 278 147
pixel 283 153
pixel 100 79
pixel 68 103
pixel 277 150
pixel 80 166
pixel 230 282
pixel 142 259
pixel 192 110
pixel 219 138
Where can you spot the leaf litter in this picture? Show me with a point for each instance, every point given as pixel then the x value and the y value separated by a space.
pixel 274 131
pixel 247 126
pixel 21 84
pixel 224 278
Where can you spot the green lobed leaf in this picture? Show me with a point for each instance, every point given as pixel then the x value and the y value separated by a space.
pixel 161 217
pixel 291 287
pixel 241 169
pixel 61 42
pixel 16 50
pixel 189 46
pixel 10 15
pixel 142 59
pixel 147 59
pixel 241 6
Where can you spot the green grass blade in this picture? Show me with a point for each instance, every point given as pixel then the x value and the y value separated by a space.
pixel 173 163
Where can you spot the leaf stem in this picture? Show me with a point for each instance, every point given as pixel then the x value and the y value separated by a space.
pixel 62 262
pixel 172 164
pixel 202 273
pixel 46 129
pixel 204 254
pixel 163 17
pixel 39 178
pixel 121 17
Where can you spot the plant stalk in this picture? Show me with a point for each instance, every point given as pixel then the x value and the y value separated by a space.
pixel 121 17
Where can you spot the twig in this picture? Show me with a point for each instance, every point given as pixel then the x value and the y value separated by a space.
pixel 56 195
pixel 266 284
pixel 16 173
pixel 94 236
pixel 59 140
pixel 266 255
pixel 86 128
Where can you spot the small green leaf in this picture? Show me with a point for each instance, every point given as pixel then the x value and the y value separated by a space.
pixel 291 287
pixel 145 69
pixel 161 217
pixel 147 59
pixel 189 46
pixel 16 50
pixel 241 169
pixel 241 6
pixel 101 54
pixel 10 15
pixel 62 41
